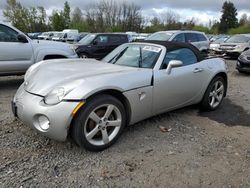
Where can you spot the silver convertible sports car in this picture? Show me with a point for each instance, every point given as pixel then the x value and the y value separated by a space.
pixel 92 101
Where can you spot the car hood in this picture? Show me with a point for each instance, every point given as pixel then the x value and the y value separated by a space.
pixel 79 45
pixel 58 73
pixel 51 44
pixel 232 44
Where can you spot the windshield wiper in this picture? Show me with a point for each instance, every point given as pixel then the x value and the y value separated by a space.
pixel 114 59
pixel 140 59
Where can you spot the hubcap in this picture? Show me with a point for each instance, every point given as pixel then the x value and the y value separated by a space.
pixel 103 124
pixel 83 56
pixel 216 94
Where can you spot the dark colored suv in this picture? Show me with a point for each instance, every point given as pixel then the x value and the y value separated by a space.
pixel 98 45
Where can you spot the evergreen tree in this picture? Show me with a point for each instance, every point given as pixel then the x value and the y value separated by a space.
pixel 66 15
pixel 228 19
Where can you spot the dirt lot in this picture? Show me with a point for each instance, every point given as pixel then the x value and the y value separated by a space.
pixel 201 150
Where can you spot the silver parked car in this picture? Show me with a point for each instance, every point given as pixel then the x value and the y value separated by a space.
pixel 18 52
pixel 92 101
pixel 236 44
pixel 196 38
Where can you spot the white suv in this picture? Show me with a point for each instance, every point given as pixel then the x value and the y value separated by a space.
pixel 18 52
pixel 236 44
pixel 196 38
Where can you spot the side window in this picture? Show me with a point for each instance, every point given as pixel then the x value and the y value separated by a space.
pixel 102 39
pixel 124 38
pixel 179 38
pixel 185 55
pixel 201 37
pixel 114 39
pixel 7 34
pixel 191 37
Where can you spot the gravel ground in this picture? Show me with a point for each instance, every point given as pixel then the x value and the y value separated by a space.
pixel 201 150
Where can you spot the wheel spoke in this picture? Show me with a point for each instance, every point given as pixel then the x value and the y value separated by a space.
pixel 105 137
pixel 211 94
pixel 216 86
pixel 219 89
pixel 212 102
pixel 115 123
pixel 108 112
pixel 218 97
pixel 94 117
pixel 92 133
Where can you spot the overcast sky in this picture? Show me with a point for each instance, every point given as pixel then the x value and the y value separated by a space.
pixel 203 10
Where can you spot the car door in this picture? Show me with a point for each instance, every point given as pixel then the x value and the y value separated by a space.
pixel 100 46
pixel 179 38
pixel 114 41
pixel 192 38
pixel 15 56
pixel 182 85
pixel 203 42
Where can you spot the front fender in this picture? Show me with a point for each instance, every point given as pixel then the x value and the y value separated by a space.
pixel 118 81
pixel 83 93
pixel 40 54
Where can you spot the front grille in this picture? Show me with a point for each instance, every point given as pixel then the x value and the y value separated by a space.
pixel 227 47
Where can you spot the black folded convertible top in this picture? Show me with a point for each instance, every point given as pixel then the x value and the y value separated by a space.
pixel 177 45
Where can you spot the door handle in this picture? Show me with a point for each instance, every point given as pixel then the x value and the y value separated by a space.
pixel 196 70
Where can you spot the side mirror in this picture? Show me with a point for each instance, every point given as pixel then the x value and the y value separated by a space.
pixel 172 64
pixel 95 42
pixel 22 38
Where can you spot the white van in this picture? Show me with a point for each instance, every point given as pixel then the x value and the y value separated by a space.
pixel 70 35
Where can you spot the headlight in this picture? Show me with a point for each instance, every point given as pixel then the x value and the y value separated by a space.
pixel 243 58
pixel 240 46
pixel 73 48
pixel 55 96
pixel 58 93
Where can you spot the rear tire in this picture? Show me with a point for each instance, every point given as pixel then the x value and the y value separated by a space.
pixel 214 94
pixel 99 123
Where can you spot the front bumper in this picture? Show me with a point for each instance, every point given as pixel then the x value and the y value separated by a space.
pixel 29 107
pixel 243 67
pixel 232 51
pixel 73 56
pixel 215 50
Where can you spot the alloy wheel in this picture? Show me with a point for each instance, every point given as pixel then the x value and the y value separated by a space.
pixel 216 94
pixel 103 124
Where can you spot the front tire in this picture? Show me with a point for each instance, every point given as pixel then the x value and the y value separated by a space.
pixel 214 94
pixel 99 123
pixel 83 55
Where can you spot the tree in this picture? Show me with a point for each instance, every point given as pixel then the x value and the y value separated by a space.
pixel 228 19
pixel 77 21
pixel 243 20
pixel 57 20
pixel 42 19
pixel 170 19
pixel 66 15
pixel 108 15
pixel 17 15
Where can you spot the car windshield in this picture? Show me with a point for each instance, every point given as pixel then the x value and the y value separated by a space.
pixel 220 40
pixel 45 34
pixel 134 55
pixel 238 39
pixel 163 36
pixel 87 39
pixel 58 34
